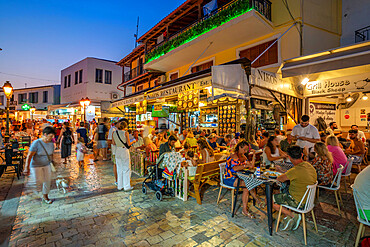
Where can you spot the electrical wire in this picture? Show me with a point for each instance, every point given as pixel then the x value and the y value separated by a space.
pixel 33 78
pixel 285 2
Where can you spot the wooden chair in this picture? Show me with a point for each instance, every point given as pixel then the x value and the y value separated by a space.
pixel 360 212
pixel 12 159
pixel 335 186
pixel 309 197
pixel 205 172
pixel 222 185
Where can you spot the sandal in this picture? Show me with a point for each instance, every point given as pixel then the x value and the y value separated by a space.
pixel 47 201
pixel 262 204
pixel 248 214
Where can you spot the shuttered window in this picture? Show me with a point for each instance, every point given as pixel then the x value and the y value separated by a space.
pixel 202 67
pixel 269 57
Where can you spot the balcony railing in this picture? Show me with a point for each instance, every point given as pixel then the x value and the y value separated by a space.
pixel 135 72
pixel 216 18
pixel 362 34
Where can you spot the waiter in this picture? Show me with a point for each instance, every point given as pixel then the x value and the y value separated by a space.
pixel 306 134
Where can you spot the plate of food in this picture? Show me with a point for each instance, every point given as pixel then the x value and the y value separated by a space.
pixel 195 101
pixel 185 105
pixel 190 97
pixel 190 104
pixel 272 174
pixel 180 103
pixel 208 111
pixel 180 95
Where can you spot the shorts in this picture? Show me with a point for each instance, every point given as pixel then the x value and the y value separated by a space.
pixel 229 181
pixel 286 199
pixel 102 144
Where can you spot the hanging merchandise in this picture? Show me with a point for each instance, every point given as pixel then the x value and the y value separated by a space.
pixel 141 107
pixel 228 118
pixel 188 100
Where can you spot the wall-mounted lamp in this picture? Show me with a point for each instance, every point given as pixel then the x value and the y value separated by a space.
pixel 365 97
pixel 349 99
pixel 305 81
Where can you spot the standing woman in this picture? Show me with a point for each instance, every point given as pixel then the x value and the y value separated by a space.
pixel 39 157
pixel 121 140
pixel 66 142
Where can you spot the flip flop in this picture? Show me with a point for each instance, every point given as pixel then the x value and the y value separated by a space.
pixel 251 216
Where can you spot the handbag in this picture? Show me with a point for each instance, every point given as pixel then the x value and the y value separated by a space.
pixel 68 140
pixel 50 161
pixel 124 143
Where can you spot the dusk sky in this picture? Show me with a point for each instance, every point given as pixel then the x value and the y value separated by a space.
pixel 40 38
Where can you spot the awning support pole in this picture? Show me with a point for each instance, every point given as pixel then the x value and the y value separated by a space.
pixel 120 110
pixel 273 43
pixel 282 104
pixel 210 43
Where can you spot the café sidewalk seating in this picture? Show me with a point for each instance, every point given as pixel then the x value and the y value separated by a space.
pixel 309 197
pixel 335 185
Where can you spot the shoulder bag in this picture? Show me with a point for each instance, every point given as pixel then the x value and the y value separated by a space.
pixel 124 143
pixel 50 161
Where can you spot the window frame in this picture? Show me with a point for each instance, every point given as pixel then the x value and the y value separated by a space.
pixel 69 80
pixel 43 97
pixel 105 77
pixel 80 76
pixel 96 75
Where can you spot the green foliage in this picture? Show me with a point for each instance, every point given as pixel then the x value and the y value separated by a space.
pixel 234 10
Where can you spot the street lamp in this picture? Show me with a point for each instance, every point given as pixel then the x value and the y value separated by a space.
pixel 8 91
pixel 84 104
pixel 32 111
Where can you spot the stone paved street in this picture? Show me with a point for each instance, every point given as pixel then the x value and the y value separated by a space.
pixel 94 213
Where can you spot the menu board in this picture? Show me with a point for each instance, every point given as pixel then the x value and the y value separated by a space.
pixel 188 100
pixel 228 118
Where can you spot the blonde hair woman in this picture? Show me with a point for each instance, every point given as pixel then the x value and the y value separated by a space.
pixel 323 164
pixel 121 140
pixel 206 151
pixel 339 158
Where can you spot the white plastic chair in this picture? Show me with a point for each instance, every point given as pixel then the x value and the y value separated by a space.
pixel 359 208
pixel 309 197
pixel 347 173
pixel 335 185
pixel 222 185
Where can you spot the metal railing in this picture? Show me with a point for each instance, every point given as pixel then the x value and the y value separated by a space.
pixel 362 34
pixel 135 72
pixel 262 6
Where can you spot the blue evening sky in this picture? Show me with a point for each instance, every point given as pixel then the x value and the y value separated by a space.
pixel 39 38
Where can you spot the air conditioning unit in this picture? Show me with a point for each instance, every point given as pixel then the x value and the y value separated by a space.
pixel 161 79
pixel 114 96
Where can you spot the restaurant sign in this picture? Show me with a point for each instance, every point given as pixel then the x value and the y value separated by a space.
pixel 345 84
pixel 128 101
pixel 271 81
pixel 175 90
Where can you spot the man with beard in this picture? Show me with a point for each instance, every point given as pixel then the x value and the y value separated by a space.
pixel 360 134
pixel 332 127
pixel 357 147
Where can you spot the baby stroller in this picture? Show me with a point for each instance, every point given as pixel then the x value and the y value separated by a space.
pixel 160 174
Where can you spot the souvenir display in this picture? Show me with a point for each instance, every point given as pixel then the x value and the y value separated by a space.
pixel 188 100
pixel 131 117
pixel 228 118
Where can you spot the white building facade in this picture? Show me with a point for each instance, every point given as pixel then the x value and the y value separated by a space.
pixel 38 97
pixel 91 77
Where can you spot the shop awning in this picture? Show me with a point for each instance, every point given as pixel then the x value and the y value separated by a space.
pixel 335 59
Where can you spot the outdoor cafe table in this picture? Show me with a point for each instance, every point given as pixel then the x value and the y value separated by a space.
pixel 251 183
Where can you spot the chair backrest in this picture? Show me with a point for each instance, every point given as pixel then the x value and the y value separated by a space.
pixel 208 169
pixel 349 166
pixel 336 181
pixel 359 207
pixel 309 198
pixel 222 172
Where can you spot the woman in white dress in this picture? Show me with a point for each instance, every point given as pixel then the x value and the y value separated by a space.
pixel 122 142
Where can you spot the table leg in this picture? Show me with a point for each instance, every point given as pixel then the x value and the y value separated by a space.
pixel 236 197
pixel 269 206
